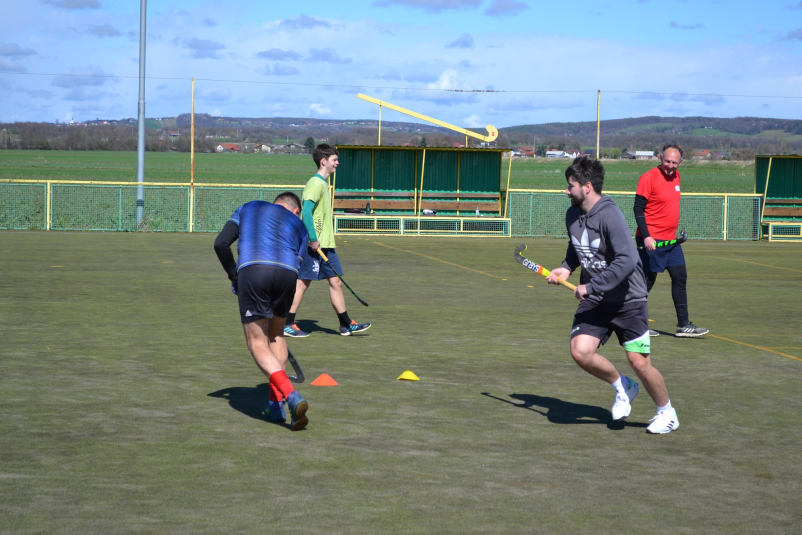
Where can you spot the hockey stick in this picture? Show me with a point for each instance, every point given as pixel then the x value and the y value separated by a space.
pixel 326 260
pixel 682 237
pixel 540 270
pixel 300 378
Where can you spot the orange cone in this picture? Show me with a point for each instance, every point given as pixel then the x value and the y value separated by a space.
pixel 324 380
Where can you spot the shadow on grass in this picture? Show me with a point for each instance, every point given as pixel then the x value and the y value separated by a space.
pixel 311 326
pixel 564 412
pixel 250 401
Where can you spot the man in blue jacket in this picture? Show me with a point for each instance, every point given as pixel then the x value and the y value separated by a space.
pixel 612 292
pixel 271 238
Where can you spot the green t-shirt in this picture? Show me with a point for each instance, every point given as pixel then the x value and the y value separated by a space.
pixel 317 191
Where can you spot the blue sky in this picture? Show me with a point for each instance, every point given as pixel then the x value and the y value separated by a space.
pixel 310 59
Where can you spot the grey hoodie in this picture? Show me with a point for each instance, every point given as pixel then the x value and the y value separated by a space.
pixel 601 243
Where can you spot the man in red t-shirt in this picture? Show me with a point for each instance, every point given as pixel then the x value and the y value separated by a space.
pixel 657 202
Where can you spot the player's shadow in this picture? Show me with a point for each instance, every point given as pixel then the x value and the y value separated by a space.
pixel 564 412
pixel 250 401
pixel 311 326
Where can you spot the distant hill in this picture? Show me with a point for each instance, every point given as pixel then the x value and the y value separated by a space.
pixel 696 126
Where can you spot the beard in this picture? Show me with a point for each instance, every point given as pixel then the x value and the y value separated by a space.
pixel 576 202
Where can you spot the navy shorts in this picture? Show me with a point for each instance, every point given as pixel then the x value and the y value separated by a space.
pixel 629 321
pixel 658 260
pixel 315 269
pixel 265 291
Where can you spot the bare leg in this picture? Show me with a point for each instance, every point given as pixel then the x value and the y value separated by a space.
pixel 651 378
pixel 335 294
pixel 257 336
pixel 300 289
pixel 584 350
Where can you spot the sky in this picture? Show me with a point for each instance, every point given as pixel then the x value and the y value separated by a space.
pixel 541 61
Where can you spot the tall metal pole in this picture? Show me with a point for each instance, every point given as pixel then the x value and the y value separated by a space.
pixel 598 124
pixel 140 146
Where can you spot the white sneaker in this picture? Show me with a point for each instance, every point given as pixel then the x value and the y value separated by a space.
pixel 664 422
pixel 623 402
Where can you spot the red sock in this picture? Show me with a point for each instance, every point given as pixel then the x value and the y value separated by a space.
pixel 275 394
pixel 282 383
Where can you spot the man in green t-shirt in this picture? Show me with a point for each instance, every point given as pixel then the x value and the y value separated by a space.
pixel 316 217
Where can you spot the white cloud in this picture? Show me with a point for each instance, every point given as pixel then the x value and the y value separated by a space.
pixel 278 54
pixel 82 76
pixel 505 8
pixel 304 22
pixel 204 48
pixel 472 121
pixel 463 41
pixel 327 55
pixel 318 110
pixel 433 6
pixel 11 65
pixel 215 95
pixel 73 4
pixel 14 50
pixel 101 30
pixel 279 69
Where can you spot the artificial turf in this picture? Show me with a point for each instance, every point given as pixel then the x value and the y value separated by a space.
pixel 129 403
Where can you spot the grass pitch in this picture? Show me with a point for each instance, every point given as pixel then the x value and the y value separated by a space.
pixel 130 403
pixel 542 173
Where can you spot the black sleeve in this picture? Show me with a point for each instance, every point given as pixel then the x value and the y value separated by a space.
pixel 640 215
pixel 222 246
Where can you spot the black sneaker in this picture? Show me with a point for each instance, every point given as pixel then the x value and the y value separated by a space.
pixel 691 331
pixel 653 333
pixel 354 328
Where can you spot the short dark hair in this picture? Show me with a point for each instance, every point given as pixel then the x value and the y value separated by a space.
pixel 584 170
pixel 323 150
pixel 672 146
pixel 289 198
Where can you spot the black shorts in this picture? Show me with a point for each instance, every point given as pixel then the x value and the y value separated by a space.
pixel 629 321
pixel 265 291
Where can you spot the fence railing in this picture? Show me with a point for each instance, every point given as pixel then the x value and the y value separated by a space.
pixel 170 207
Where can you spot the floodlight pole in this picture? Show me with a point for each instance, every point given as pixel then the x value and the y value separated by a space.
pixel 140 145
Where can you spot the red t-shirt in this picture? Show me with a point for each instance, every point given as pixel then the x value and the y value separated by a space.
pixel 662 208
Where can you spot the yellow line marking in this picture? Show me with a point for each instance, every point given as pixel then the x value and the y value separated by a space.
pixel 756 263
pixel 756 347
pixel 167 262
pixel 56 266
pixel 529 286
pixel 437 260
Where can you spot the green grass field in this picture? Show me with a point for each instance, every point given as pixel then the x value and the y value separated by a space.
pixel 622 175
pixel 130 403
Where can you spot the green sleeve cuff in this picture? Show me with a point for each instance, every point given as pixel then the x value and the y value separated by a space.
pixel 308 220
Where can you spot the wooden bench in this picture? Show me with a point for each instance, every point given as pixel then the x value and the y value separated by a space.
pixel 381 200
pixel 468 202
pixel 782 208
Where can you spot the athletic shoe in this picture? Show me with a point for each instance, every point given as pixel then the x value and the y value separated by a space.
pixel 653 333
pixel 294 332
pixel 354 328
pixel 691 331
pixel 298 407
pixel 623 402
pixel 664 422
pixel 275 411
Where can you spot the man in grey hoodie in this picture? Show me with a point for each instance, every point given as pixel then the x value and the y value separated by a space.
pixel 612 292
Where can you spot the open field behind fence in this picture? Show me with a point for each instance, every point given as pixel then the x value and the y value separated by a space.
pixel 622 175
pixel 130 403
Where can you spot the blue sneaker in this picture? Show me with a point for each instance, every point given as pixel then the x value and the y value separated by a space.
pixel 294 332
pixel 298 407
pixel 275 411
pixel 354 328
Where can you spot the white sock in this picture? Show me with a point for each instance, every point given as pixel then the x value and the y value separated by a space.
pixel 619 385
pixel 668 407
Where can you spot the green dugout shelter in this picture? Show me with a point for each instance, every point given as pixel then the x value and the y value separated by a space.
pixel 779 179
pixel 414 180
